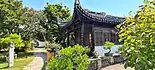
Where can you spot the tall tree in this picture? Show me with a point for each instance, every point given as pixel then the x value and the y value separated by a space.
pixel 22 21
pixel 53 12
pixel 31 29
pixel 57 10
pixel 138 37
pixel 10 15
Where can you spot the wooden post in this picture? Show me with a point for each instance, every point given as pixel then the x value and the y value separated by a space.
pixel 92 35
pixel 75 32
pixel 68 34
pixel 82 34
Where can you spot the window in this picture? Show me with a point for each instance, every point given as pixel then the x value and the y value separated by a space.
pixel 102 37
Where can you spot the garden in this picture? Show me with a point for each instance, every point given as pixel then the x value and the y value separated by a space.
pixel 137 34
pixel 23 26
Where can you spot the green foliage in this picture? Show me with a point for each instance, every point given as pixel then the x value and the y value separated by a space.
pixel 53 45
pixel 28 44
pixel 16 19
pixel 52 13
pixel 58 10
pixel 138 36
pixel 70 58
pixel 10 16
pixel 16 39
pixel 32 28
pixel 29 23
pixel 108 45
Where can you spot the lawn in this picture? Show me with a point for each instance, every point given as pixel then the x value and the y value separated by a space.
pixel 19 63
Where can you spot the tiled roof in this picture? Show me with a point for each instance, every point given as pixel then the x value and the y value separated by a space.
pixel 99 16
pixel 94 16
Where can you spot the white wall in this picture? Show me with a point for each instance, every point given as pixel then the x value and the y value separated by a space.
pixel 100 50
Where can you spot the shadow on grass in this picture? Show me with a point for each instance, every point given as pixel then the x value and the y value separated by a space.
pixel 3 64
pixel 4 67
pixel 25 54
pixel 2 59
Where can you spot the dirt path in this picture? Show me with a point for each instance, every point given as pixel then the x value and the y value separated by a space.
pixel 38 62
pixel 116 67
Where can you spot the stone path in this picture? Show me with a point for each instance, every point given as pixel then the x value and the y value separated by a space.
pixel 116 67
pixel 39 62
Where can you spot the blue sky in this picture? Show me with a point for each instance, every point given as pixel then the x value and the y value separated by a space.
pixel 112 7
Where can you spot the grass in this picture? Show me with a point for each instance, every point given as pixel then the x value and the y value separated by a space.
pixel 19 63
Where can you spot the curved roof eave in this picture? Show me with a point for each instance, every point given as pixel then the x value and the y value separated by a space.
pixel 99 17
pixel 94 16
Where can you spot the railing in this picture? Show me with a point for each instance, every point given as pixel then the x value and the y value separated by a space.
pixel 101 62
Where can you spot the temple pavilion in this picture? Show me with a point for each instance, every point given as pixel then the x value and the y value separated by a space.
pixel 90 28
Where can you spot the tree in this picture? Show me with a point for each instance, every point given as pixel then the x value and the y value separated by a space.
pixel 10 16
pixel 22 21
pixel 57 10
pixel 138 36
pixel 31 29
pixel 71 58
pixel 16 39
pixel 108 45
pixel 53 12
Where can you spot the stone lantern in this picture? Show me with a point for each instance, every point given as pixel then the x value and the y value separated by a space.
pixel 11 54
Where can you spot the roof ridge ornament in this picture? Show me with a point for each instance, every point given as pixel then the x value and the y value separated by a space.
pixel 77 2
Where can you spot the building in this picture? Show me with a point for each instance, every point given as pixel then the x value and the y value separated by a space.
pixel 90 28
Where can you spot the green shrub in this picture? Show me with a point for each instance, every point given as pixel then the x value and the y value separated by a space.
pixel 52 45
pixel 16 39
pixel 138 36
pixel 108 45
pixel 28 44
pixel 71 58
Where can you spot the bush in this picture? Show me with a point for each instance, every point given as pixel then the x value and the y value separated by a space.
pixel 28 44
pixel 71 58
pixel 53 45
pixel 2 58
pixel 138 36
pixel 16 39
pixel 108 45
